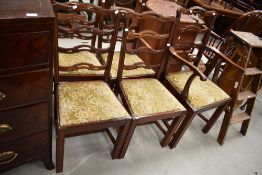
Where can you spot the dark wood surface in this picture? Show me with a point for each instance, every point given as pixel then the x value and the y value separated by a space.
pixel 219 8
pixel 27 48
pixel 167 8
pixel 15 10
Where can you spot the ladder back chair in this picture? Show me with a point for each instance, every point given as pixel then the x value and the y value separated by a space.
pixel 189 38
pixel 190 85
pixel 146 99
pixel 88 105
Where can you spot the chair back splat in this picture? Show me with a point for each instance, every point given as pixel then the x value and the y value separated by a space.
pixel 140 42
pixel 91 37
pixel 189 39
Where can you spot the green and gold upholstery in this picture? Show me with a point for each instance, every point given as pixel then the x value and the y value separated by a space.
pixel 81 102
pixel 148 96
pixel 201 93
pixel 67 60
pixel 129 60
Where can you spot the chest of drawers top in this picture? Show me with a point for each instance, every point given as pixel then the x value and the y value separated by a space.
pixel 29 10
pixel 26 33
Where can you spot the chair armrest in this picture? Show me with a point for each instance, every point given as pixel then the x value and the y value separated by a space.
pixel 195 70
pixel 224 58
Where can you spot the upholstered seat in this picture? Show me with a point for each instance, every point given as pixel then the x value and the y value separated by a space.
pixel 129 60
pixel 148 96
pixel 201 93
pixel 81 102
pixel 71 59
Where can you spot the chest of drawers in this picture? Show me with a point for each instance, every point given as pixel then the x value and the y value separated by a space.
pixel 27 47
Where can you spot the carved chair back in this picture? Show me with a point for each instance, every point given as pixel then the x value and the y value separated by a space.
pixel 90 35
pixel 138 39
pixel 192 37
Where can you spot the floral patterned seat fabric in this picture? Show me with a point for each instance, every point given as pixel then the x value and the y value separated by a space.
pixel 201 93
pixel 148 96
pixel 81 102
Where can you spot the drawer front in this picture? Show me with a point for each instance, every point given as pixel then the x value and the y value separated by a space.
pixel 24 88
pixel 23 150
pixel 25 50
pixel 23 121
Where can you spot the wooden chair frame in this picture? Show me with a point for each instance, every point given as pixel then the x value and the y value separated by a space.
pixel 192 112
pixel 122 124
pixel 182 96
pixel 129 35
pixel 182 39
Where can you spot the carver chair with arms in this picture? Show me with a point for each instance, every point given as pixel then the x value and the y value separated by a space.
pixel 84 102
pixel 146 99
pixel 193 89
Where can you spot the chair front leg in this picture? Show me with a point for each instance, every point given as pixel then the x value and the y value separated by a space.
pixel 121 135
pixel 60 141
pixel 171 130
pixel 182 128
pixel 128 138
pixel 225 126
pixel 214 118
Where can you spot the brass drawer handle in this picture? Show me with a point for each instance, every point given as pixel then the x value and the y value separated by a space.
pixel 2 95
pixel 5 128
pixel 8 156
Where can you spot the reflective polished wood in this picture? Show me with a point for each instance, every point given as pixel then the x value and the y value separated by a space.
pixel 27 46
pixel 167 8
pixel 219 8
